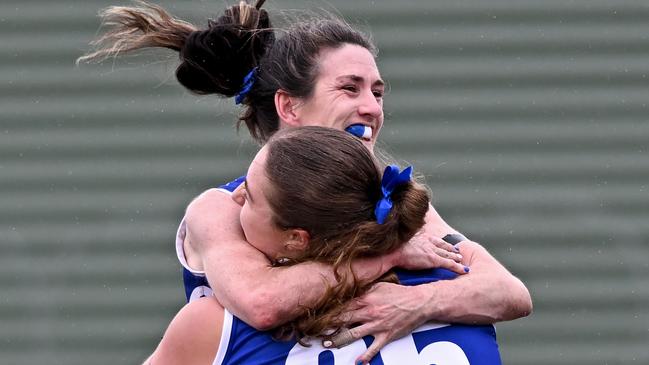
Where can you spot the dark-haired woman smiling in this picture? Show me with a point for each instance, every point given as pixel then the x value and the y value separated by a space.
pixel 315 72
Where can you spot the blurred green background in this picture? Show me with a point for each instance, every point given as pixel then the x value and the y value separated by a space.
pixel 528 118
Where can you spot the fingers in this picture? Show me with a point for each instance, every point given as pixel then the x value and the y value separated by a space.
pixel 440 243
pixel 447 255
pixel 456 267
pixel 451 262
pixel 346 336
pixel 376 346
pixel 342 338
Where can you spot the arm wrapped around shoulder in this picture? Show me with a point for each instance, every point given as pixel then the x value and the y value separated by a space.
pixel 369 239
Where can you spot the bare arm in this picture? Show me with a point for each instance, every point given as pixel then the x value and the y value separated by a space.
pixel 193 336
pixel 453 301
pixel 242 277
pixel 489 294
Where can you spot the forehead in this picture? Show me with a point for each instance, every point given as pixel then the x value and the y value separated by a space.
pixel 256 170
pixel 350 59
pixel 256 179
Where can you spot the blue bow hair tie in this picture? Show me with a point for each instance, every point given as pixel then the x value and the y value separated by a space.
pixel 248 82
pixel 391 179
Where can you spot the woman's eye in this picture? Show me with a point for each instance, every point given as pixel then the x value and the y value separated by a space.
pixel 243 193
pixel 378 93
pixel 351 88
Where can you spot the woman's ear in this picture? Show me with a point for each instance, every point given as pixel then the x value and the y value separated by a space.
pixel 297 242
pixel 285 105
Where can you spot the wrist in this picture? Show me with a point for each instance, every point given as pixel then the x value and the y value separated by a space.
pixel 391 260
pixel 425 293
pixel 421 299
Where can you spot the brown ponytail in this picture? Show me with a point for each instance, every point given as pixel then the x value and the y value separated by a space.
pixel 327 182
pixel 410 204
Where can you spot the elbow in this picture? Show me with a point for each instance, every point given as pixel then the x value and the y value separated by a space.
pixel 263 320
pixel 520 302
pixel 262 312
pixel 525 306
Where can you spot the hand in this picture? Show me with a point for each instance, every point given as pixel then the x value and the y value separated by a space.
pixel 424 251
pixel 387 312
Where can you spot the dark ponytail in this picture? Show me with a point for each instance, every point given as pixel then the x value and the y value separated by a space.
pixel 214 60
pixel 130 28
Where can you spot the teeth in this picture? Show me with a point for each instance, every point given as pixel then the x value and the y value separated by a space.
pixel 367 133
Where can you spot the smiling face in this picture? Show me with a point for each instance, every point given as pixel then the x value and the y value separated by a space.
pixel 348 90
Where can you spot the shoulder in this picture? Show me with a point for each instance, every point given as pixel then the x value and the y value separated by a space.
pixel 214 198
pixel 208 199
pixel 193 336
pixel 213 209
pixel 212 220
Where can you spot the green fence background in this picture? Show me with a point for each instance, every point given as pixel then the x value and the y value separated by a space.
pixel 529 119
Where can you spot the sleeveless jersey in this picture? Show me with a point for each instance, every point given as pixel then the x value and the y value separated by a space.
pixel 195 282
pixel 432 343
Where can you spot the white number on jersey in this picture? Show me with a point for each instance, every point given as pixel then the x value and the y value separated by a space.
pixel 401 351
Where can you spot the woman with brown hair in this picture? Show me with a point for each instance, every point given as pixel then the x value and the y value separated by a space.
pixel 317 72
pixel 368 213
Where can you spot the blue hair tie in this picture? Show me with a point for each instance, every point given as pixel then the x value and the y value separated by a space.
pixel 391 179
pixel 248 82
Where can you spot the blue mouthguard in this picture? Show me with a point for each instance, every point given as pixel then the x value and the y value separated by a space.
pixel 359 130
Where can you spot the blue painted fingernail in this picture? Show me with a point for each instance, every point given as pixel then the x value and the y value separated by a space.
pixel 359 362
pixel 456 249
pixel 466 269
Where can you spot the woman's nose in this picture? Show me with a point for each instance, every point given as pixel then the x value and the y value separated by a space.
pixel 371 106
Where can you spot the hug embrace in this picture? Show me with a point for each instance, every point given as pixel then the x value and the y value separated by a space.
pixel 321 252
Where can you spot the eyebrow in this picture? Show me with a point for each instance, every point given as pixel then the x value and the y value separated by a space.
pixel 357 78
pixel 245 185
